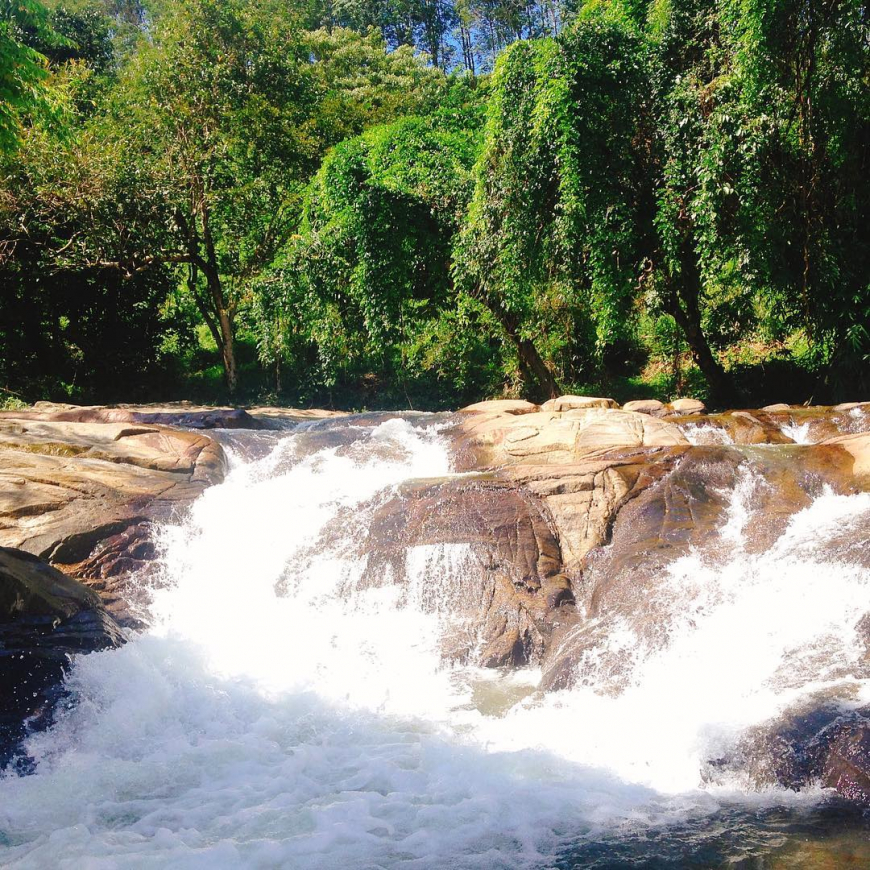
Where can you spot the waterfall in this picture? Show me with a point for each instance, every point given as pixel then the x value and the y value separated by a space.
pixel 278 713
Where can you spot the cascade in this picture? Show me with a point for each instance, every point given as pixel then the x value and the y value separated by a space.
pixel 280 712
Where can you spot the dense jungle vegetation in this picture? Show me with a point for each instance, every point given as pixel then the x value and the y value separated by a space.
pixel 372 203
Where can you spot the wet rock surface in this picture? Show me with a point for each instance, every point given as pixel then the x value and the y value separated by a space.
pixel 625 494
pixel 827 745
pixel 566 518
pixel 84 495
pixel 513 586
pixel 45 618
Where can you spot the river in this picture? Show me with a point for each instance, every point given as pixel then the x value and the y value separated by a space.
pixel 279 714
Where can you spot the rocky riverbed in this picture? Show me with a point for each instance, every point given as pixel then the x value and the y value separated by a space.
pixel 571 514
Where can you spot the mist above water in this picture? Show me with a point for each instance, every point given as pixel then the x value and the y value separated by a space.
pixel 277 714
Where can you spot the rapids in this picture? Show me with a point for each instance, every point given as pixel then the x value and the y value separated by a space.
pixel 271 718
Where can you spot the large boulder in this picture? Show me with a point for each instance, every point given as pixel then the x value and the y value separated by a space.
pixel 623 587
pixel 687 406
pixel 577 403
pixel 646 406
pixel 45 618
pixel 557 438
pixel 85 495
pixel 512 588
pixel 553 484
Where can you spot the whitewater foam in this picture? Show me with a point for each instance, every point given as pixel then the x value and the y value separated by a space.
pixel 270 719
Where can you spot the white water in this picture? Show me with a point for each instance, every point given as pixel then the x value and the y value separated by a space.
pixel 321 730
pixel 706 434
pixel 798 432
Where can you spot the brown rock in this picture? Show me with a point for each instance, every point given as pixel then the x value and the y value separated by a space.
pixel 502 406
pixel 572 403
pixel 552 438
pixel 653 526
pixel 858 447
pixel 510 589
pixel 45 617
pixel 687 406
pixel 82 495
pixel 646 406
pixel 181 414
pixel 846 767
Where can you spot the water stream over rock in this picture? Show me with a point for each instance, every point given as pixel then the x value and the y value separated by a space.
pixel 313 689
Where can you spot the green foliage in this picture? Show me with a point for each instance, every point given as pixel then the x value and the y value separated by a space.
pixel 367 280
pixel 803 70
pixel 655 197
pixel 551 239
pixel 23 70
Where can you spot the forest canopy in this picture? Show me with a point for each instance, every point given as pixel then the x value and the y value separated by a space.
pixel 427 202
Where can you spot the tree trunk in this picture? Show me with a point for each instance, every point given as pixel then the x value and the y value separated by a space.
pixel 533 366
pixel 228 352
pixel 685 309
pixel 221 308
pixel 227 344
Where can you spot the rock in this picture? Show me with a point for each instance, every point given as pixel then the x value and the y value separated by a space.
pixel 687 406
pixel 583 498
pixel 282 418
pixel 571 403
pixel 502 406
pixel 150 447
pixel 511 586
pixel 735 427
pixel 182 415
pixel 825 743
pixel 45 617
pixel 777 407
pixel 846 767
pixel 83 495
pixel 646 406
pixel 619 588
pixel 858 447
pixel 553 438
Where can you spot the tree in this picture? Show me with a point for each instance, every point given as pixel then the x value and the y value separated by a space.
pixel 214 117
pixel 69 329
pixel 23 70
pixel 803 70
pixel 688 174
pixel 370 268
pixel 222 118
pixel 552 226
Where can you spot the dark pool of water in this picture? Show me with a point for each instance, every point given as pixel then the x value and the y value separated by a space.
pixel 828 836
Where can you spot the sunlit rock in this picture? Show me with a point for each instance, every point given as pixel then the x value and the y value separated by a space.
pixel 646 406
pixel 83 495
pixel 687 406
pixel 502 406
pixel 571 403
